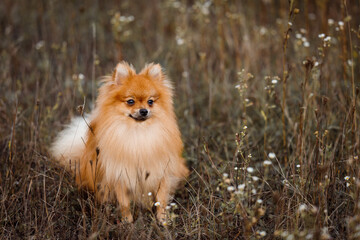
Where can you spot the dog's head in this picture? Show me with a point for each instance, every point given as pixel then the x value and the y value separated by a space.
pixel 137 97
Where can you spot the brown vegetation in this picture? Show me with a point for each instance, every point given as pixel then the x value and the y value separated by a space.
pixel 267 99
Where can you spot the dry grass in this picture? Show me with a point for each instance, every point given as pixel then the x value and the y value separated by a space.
pixel 268 109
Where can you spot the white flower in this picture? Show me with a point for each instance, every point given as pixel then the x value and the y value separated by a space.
pixel 250 156
pixel 149 194
pixel 263 30
pixel 298 35
pixel 271 155
pixel 298 165
pixel 253 191
pixel 168 207
pixel 302 207
pixel 250 169
pixel 179 41
pixel 341 23
pixel 237 86
pixel 304 39
pixel 39 45
pixel 331 21
pixel 290 23
pixel 245 127
pixel 231 188
pixel 316 64
pixel 241 186
pixel 350 62
pixel 235 168
pixel 306 44
pixel 126 19
pixel 267 162
pixel 274 81
pixel 303 30
pixel 259 201
pixel 173 204
pixel 327 39
pixel 262 233
pixel 255 178
pixel 205 8
pixel 285 182
pixel 239 192
pixel 225 175
pixel 157 204
pixel 347 178
pixel 284 234
pixel 81 76
pixel 321 35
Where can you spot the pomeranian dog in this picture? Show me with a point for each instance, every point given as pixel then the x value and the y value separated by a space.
pixel 130 147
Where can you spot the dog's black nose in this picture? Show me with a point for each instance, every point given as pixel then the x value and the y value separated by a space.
pixel 143 112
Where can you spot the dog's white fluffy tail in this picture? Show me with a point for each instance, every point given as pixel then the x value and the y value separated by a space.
pixel 69 145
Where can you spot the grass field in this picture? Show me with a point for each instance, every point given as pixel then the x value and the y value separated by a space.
pixel 266 95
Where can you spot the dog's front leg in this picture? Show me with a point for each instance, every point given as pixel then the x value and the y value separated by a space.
pixel 162 197
pixel 124 203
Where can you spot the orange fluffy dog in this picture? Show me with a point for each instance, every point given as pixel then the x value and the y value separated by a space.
pixel 131 148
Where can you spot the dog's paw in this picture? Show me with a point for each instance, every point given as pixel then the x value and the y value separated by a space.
pixel 128 218
pixel 161 216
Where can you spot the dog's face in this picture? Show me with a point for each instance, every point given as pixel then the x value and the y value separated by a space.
pixel 138 97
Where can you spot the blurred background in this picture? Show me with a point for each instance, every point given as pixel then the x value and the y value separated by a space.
pixel 266 95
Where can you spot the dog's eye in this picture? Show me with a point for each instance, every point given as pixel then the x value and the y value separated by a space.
pixel 130 102
pixel 150 102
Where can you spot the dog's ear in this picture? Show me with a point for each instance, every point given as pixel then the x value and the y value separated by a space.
pixel 122 72
pixel 155 72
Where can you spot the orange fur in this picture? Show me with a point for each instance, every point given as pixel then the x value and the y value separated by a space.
pixel 124 152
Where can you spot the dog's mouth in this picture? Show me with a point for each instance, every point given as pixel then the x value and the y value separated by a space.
pixel 139 118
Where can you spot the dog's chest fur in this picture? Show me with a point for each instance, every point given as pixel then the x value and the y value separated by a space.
pixel 137 156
